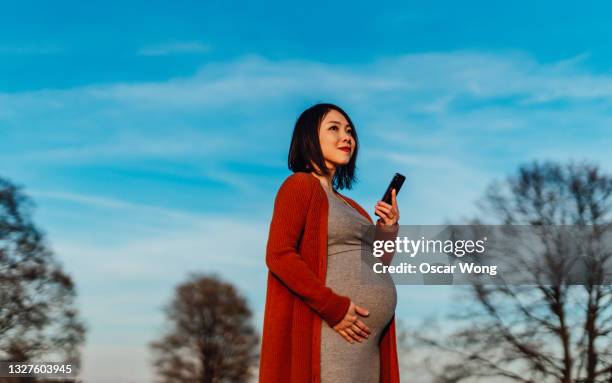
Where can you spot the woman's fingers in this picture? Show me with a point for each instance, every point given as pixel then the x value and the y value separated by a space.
pixel 389 207
pixel 384 208
pixel 343 325
pixel 360 332
pixel 363 326
pixel 355 335
pixel 379 212
pixel 361 311
pixel 346 336
pixel 356 332
pixel 350 327
pixel 352 334
pixel 389 212
pixel 383 214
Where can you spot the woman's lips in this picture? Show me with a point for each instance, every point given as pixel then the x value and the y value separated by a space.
pixel 347 150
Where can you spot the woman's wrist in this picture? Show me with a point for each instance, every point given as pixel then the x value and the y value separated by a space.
pixel 335 309
pixel 386 227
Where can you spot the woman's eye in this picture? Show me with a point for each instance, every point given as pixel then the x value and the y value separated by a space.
pixel 334 127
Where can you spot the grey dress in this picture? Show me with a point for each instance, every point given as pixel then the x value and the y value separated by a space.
pixel 342 361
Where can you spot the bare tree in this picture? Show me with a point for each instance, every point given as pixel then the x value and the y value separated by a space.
pixel 546 332
pixel 210 337
pixel 38 318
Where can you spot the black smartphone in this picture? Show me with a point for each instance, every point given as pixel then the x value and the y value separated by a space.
pixel 396 183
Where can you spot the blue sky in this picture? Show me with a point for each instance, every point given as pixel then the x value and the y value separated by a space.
pixel 153 136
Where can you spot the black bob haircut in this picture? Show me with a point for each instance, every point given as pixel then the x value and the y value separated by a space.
pixel 305 147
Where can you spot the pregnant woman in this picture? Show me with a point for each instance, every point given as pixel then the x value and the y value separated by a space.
pixel 325 320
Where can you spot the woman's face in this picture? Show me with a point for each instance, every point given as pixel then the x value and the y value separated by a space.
pixel 336 139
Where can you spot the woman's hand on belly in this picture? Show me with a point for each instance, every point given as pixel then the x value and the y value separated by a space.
pixel 351 327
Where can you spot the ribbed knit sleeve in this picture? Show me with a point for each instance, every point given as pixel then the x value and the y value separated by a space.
pixel 291 207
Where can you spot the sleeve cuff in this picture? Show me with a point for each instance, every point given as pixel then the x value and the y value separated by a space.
pixel 388 228
pixel 335 309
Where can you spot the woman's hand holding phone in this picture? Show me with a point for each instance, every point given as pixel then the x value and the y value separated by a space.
pixel 389 214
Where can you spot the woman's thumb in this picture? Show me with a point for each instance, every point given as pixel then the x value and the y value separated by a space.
pixel 361 311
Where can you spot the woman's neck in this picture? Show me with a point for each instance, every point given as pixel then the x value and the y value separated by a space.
pixel 325 181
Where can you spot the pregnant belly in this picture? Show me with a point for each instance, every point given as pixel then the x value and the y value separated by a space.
pixel 348 275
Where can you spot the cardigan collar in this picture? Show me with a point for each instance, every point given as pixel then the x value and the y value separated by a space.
pixel 348 200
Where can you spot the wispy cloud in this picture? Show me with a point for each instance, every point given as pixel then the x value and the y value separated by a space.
pixel 102 202
pixel 175 47
pixel 191 144
pixel 430 83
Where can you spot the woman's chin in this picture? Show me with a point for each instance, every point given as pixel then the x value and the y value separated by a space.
pixel 343 162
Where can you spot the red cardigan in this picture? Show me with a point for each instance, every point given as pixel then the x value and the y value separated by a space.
pixel 297 299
